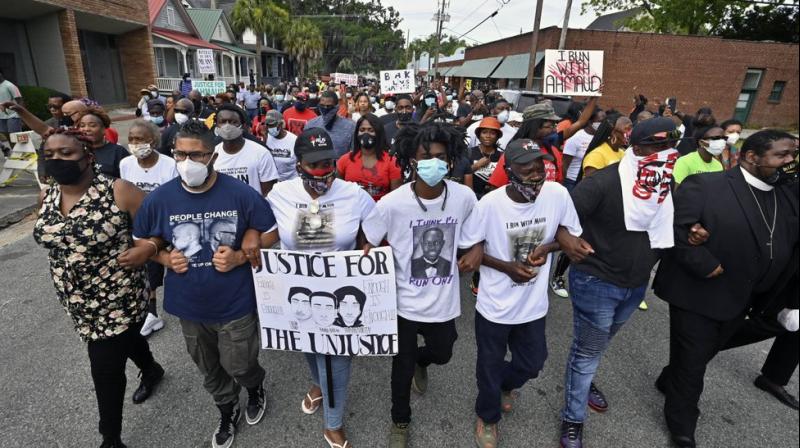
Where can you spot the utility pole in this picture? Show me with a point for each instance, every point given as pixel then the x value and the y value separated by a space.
pixel 537 18
pixel 440 18
pixel 563 40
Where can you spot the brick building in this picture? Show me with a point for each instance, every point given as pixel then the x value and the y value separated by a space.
pixel 756 82
pixel 96 48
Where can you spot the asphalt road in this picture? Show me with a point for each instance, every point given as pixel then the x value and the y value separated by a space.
pixel 46 396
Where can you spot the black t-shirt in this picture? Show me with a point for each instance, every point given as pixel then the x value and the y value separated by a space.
pixel 621 257
pixel 461 167
pixel 168 139
pixel 390 129
pixel 463 110
pixel 108 157
pixel 481 177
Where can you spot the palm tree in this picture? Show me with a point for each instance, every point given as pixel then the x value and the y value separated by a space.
pixel 303 41
pixel 261 17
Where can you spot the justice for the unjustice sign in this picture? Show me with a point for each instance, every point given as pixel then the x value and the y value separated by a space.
pixel 337 303
pixel 398 81
pixel 573 72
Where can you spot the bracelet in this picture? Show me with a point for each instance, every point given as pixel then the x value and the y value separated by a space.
pixel 154 245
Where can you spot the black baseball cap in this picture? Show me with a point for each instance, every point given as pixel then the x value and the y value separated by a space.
pixel 524 151
pixel 314 145
pixel 654 131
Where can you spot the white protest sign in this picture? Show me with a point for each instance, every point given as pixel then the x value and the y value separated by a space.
pixel 398 81
pixel 351 79
pixel 335 303
pixel 208 87
pixel 573 72
pixel 205 61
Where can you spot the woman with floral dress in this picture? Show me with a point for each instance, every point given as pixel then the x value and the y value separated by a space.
pixel 85 223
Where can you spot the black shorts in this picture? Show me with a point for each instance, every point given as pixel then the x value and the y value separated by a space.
pixel 155 274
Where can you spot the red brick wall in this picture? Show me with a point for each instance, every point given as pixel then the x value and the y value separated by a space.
pixel 72 53
pixel 136 57
pixel 698 71
pixel 131 10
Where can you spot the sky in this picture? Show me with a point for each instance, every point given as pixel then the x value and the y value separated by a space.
pixel 464 14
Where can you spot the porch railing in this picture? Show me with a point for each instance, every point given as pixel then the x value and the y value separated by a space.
pixel 167 84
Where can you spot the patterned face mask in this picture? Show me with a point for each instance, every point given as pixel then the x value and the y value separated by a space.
pixel 319 181
pixel 528 189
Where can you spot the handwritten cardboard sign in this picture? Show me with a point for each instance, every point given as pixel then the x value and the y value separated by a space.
pixel 398 81
pixel 573 72
pixel 207 88
pixel 205 61
pixel 351 79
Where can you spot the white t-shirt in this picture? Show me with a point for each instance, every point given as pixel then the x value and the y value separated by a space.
pixel 148 179
pixel 252 165
pixel 508 134
pixel 334 225
pixel 382 111
pixel 512 229
pixel 283 154
pixel 576 147
pixel 427 286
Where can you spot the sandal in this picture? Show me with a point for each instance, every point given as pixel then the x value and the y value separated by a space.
pixel 485 434
pixel 331 444
pixel 313 408
pixel 507 401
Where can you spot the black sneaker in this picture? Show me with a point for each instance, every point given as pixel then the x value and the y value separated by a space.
pixel 112 442
pixel 150 380
pixel 229 418
pixel 256 402
pixel 571 435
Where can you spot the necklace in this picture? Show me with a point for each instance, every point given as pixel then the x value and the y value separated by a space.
pixel 421 205
pixel 771 229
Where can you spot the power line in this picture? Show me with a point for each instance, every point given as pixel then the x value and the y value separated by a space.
pixel 479 24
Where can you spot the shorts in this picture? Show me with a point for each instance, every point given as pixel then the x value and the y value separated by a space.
pixel 10 125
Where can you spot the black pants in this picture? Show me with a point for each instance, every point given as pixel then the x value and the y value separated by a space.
pixel 495 375
pixel 438 349
pixel 107 358
pixel 694 340
pixel 561 265
pixel 784 355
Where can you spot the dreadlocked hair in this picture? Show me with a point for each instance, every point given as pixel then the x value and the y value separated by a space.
pixel 411 136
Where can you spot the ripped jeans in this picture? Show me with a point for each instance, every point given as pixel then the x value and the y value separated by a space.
pixel 599 309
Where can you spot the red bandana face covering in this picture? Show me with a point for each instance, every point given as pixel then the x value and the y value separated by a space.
pixel 320 172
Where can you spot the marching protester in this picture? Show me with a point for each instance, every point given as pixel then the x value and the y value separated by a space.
pixel 363 106
pixel 389 101
pixel 401 117
pixel 332 212
pixel 501 111
pixel 85 223
pixel 157 113
pixel 182 112
pixel 340 129
pixel 711 142
pixel 148 169
pixel 257 124
pixel 297 116
pixel 486 153
pixel 202 215
pixel 733 130
pixel 9 119
pixel 369 163
pixel 626 215
pixel 423 221
pixel 518 224
pixel 280 144
pixel 709 287
pixel 93 124
pixel 575 149
pixel 608 145
pixel 239 157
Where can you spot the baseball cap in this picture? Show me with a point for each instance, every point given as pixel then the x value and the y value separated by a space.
pixel 524 151
pixel 273 117
pixel 543 110
pixel 301 96
pixel 489 123
pixel 314 145
pixel 654 131
pixel 152 87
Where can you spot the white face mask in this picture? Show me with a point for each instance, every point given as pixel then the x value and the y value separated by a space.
pixel 229 132
pixel 192 173
pixel 596 125
pixel 141 151
pixel 274 131
pixel 502 117
pixel 389 105
pixel 715 147
pixel 733 138
pixel 181 118
pixel 682 130
pixel 312 96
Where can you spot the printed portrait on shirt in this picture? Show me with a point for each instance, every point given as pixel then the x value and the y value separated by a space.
pixel 187 237
pixel 523 241
pixel 315 228
pixel 222 232
pixel 198 238
pixel 433 247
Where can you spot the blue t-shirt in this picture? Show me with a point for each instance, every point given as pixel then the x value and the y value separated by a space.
pixel 197 224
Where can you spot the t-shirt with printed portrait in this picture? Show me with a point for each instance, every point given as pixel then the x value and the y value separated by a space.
pixel 252 164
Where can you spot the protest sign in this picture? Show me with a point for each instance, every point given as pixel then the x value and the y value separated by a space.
pixel 351 79
pixel 208 87
pixel 205 61
pixel 573 72
pixel 335 303
pixel 398 81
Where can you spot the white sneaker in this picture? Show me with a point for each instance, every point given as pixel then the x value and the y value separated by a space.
pixel 559 288
pixel 151 324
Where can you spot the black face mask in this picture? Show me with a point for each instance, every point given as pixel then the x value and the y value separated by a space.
pixel 404 117
pixel 66 122
pixel 366 141
pixel 784 174
pixel 64 172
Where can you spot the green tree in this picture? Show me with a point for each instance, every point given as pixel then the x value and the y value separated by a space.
pixel 447 46
pixel 303 42
pixel 767 22
pixel 673 16
pixel 261 17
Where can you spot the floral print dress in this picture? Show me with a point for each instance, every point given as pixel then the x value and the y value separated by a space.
pixel 102 297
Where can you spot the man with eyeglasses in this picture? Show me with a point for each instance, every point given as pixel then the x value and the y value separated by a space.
pixel 212 290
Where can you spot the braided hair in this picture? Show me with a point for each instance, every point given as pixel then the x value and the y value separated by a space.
pixel 411 136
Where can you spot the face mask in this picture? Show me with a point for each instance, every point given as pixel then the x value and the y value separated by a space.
pixel 154 93
pixel 157 120
pixel 274 131
pixel 733 138
pixel 389 105
pixel 300 106
pixel 312 95
pixel 229 131
pixel 373 100
pixel 477 117
pixel 449 97
pixel 784 174
pixel 528 190
pixel 65 172
pixel 192 173
pixel 141 151
pixel 66 122
pixel 430 101
pixel 404 117
pixel 348 95
pixel 181 118
pixel 366 141
pixel 502 117
pixel 715 147
pixel 596 125
pixel 279 97
pixel 317 180
pixel 325 110
pixel 431 171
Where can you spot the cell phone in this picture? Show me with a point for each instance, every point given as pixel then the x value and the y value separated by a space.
pixel 672 103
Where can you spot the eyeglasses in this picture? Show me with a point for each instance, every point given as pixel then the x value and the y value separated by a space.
pixel 193 156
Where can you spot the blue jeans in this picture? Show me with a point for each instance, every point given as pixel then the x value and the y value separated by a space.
pixel 599 309
pixel 340 367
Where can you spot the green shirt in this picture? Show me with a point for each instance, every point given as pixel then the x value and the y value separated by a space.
pixel 692 163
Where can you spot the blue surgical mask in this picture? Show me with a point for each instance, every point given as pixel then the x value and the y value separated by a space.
pixel 274 131
pixel 431 171
pixel 279 97
pixel 449 97
pixel 157 120
pixel 429 101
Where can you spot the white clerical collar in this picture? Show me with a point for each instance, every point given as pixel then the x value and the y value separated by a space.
pixel 755 182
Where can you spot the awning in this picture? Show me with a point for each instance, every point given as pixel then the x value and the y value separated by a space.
pixel 476 68
pixel 515 66
pixel 447 71
pixel 233 48
pixel 184 39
